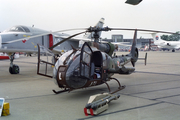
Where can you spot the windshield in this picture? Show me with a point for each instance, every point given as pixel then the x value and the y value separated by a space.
pixel 62 58
pixel 66 58
pixel 72 60
pixel 73 78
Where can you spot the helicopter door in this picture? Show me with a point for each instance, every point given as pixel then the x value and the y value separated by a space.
pixel 97 60
pixel 46 62
pixel 85 61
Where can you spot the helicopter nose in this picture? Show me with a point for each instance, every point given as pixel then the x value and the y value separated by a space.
pixel 76 81
pixel 55 75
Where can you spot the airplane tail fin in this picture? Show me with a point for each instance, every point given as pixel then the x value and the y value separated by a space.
pixel 134 51
pixel 98 25
pixel 154 36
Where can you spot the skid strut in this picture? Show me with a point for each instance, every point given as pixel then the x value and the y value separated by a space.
pixel 61 91
pixel 119 88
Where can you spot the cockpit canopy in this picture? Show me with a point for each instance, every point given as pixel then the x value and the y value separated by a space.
pixel 67 58
pixel 72 60
pixel 18 29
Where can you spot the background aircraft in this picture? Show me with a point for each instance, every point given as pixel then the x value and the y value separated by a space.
pixel 25 39
pixel 133 2
pixel 4 56
pixel 165 44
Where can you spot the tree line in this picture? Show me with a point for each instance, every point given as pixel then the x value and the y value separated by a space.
pixel 173 37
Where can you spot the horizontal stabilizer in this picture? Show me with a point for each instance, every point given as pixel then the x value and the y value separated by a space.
pixel 145 59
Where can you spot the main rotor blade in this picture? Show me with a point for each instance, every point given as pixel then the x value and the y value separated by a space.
pixel 156 31
pixel 43 35
pixel 66 39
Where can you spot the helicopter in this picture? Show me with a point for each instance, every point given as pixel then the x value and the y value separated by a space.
pixel 90 65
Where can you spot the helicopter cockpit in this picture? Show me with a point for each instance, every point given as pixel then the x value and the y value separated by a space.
pixel 74 68
pixel 67 66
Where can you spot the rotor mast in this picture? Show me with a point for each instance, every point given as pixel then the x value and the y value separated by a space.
pixel 105 47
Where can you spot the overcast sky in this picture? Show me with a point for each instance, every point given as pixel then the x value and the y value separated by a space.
pixel 62 14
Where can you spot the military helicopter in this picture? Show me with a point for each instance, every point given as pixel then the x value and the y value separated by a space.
pixel 91 65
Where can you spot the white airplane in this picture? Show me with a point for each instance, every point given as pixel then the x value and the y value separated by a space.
pixel 165 44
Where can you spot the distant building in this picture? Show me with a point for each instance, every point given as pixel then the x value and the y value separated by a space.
pixel 140 43
pixel 117 38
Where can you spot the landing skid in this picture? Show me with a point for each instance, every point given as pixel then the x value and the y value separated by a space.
pixel 119 88
pixel 61 91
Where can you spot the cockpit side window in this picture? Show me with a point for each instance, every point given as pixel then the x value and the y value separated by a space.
pixel 25 28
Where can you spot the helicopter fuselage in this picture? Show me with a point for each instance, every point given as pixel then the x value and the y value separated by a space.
pixel 88 67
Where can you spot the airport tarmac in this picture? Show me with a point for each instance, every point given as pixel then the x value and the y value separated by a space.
pixel 151 93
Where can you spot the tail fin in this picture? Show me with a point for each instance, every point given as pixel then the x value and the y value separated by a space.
pixel 154 36
pixel 134 51
pixel 98 25
pixel 134 42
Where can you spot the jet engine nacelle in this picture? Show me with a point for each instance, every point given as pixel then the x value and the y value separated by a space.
pixel 168 44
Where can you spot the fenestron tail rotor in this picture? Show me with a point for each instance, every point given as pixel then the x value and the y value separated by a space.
pixel 134 52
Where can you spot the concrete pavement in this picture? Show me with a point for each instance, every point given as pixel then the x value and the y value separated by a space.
pixel 151 93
